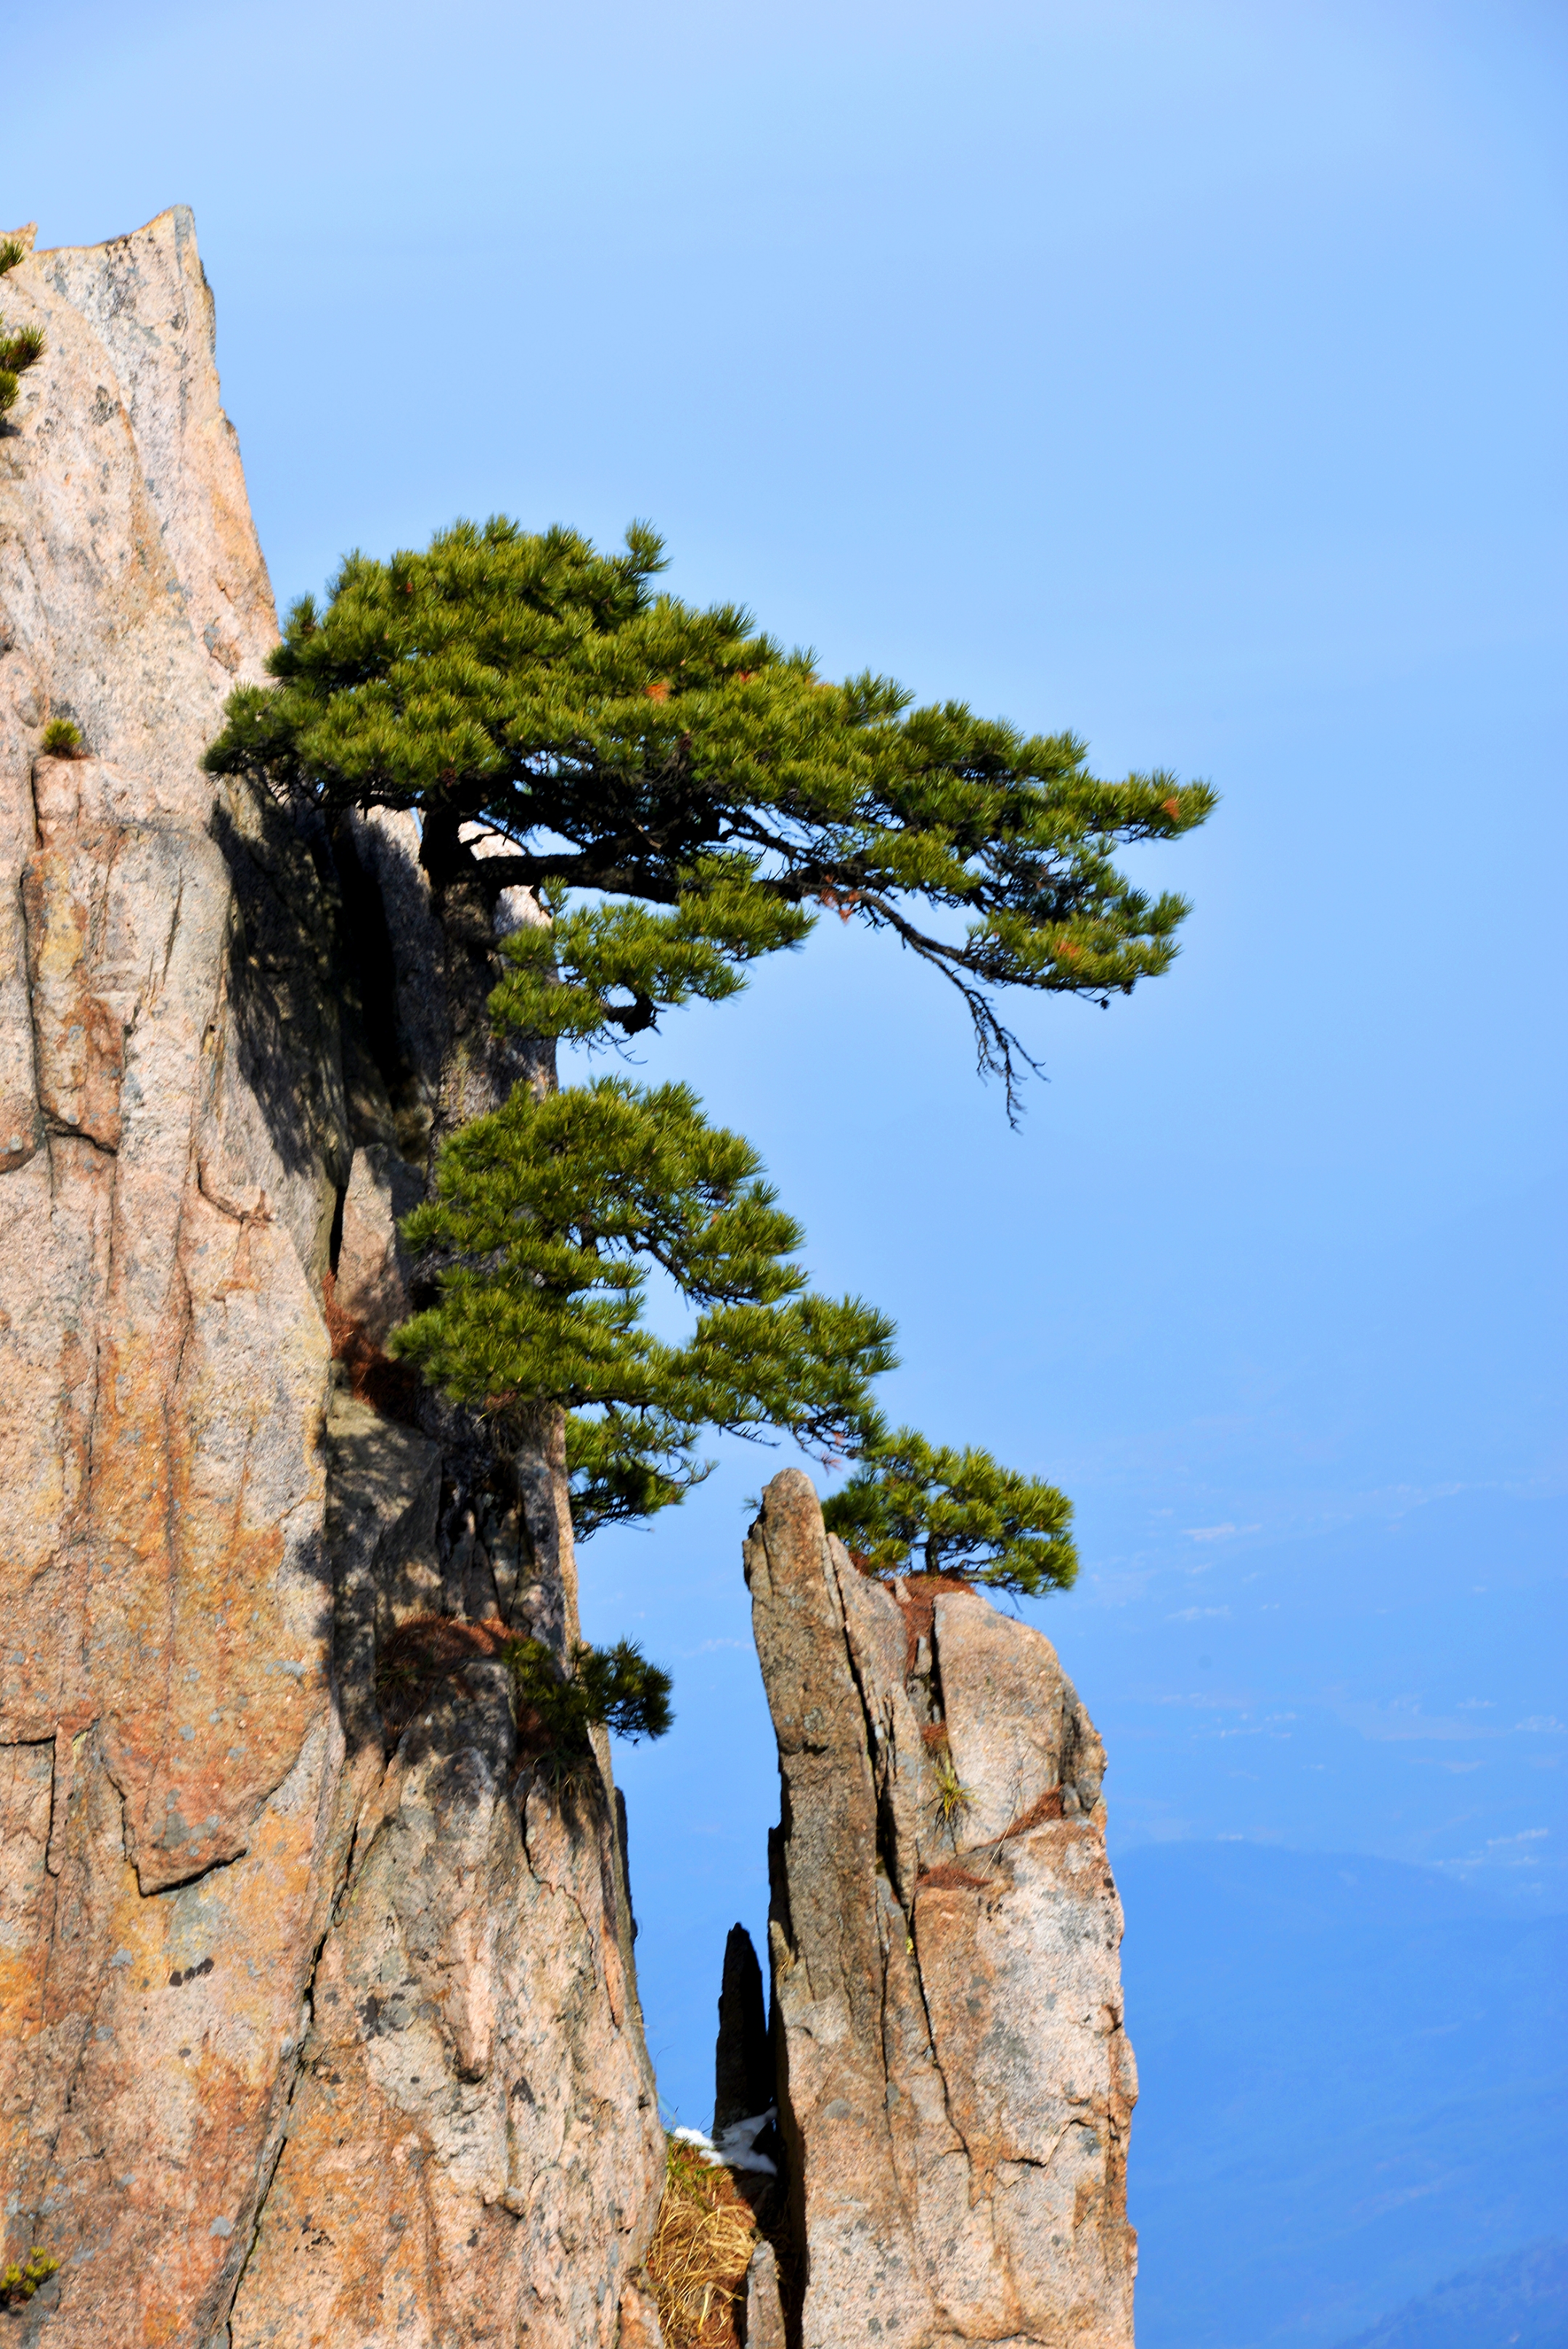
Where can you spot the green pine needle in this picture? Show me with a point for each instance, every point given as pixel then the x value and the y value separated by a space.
pixel 912 1505
pixel 616 1686
pixel 22 349
pixel 630 744
pixel 547 1217
pixel 710 792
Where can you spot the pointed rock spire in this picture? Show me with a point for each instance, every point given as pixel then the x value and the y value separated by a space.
pixel 743 2069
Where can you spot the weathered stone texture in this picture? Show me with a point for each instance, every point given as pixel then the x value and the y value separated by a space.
pixel 444 2180
pixel 372 1264
pixel 955 2085
pixel 216 1888
pixel 764 2308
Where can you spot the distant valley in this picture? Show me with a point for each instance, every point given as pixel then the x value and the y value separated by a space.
pixel 1353 2088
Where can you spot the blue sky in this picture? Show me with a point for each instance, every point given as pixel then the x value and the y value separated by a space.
pixel 1191 375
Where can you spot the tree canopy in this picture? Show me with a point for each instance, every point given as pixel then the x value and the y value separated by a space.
pixel 626 742
pixel 958 1511
pixel 546 1219
pixel 683 796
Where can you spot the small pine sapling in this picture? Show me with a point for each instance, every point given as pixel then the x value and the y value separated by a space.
pixel 18 351
pixel 22 349
pixel 62 740
pixel 615 1686
pixel 12 251
pixel 913 1505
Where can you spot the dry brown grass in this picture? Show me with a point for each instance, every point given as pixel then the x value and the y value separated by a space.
pixel 392 1388
pixel 421 1653
pixel 917 1594
pixel 702 2249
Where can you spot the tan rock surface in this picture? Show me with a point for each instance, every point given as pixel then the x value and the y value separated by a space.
pixel 955 2084
pixel 195 1796
pixel 1020 1739
pixel 446 2140
pixel 764 2310
pixel 372 1264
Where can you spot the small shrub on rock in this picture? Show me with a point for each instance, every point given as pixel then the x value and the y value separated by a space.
pixel 62 740
pixel 21 2280
pixel 22 349
pixel 616 1686
pixel 18 352
pixel 952 1798
pixel 556 1709
pixel 959 1515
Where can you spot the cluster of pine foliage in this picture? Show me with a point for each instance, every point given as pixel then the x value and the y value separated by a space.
pixel 683 796
pixel 24 346
pixel 616 1686
pixel 20 348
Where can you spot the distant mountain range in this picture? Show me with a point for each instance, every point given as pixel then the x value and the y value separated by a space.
pixel 1518 2302
pixel 1354 2079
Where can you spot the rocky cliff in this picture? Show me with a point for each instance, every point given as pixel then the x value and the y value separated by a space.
pixel 318 2023
pixel 317 2017
pixel 954 2085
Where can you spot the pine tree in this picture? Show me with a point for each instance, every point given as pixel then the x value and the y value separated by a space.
pixel 712 792
pixel 963 1514
pixel 686 761
pixel 616 1686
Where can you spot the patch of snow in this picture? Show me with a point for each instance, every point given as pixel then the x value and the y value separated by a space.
pixel 734 2146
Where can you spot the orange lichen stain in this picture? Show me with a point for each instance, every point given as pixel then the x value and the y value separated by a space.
pixel 1089 2203
pixel 917 1594
pixel 1047 1808
pixel 421 1653
pixel 21 1994
pixel 947 1877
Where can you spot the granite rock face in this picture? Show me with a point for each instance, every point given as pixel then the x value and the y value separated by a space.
pixel 955 2085
pixel 316 2024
